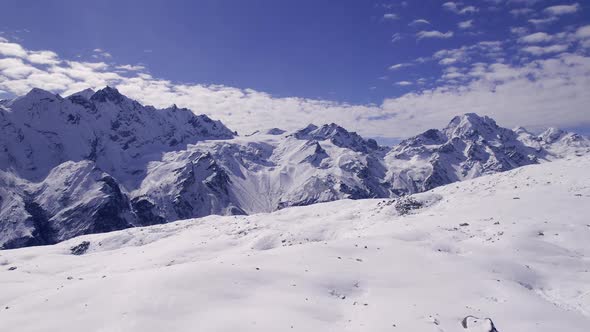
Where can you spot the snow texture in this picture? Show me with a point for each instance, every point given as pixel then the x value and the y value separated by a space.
pixel 503 252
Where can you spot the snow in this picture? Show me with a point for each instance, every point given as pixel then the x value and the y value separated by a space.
pixel 512 247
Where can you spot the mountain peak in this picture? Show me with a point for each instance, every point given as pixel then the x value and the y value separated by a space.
pixel 37 93
pixel 551 134
pixel 338 135
pixel 468 124
pixel 521 130
pixel 108 93
pixel 86 94
pixel 33 97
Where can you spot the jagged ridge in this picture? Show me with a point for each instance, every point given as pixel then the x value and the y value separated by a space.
pixel 99 161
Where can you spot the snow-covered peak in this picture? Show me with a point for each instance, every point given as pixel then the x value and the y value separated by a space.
pixel 42 130
pixel 33 97
pixel 551 135
pixel 470 124
pixel 86 94
pixel 556 143
pixel 470 146
pixel 521 130
pixel 338 136
pixel 108 94
pixel 37 93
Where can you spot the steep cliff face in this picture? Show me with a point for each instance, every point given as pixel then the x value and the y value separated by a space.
pixel 75 198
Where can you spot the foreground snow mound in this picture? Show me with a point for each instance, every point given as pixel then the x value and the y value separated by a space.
pixel 511 248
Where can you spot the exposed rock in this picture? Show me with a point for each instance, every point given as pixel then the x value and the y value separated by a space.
pixel 475 324
pixel 405 205
pixel 80 249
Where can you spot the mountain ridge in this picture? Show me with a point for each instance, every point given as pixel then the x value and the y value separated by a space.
pixel 97 161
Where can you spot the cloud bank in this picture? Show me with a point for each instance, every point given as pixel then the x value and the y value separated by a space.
pixel 547 86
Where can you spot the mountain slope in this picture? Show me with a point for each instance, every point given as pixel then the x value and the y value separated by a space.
pixel 43 130
pixel 470 146
pixel 99 161
pixel 510 246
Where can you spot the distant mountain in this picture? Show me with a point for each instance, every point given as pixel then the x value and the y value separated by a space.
pixel 468 147
pixel 99 161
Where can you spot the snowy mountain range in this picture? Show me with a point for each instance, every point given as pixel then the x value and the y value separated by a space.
pixel 98 161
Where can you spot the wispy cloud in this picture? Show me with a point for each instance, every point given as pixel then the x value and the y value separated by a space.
pixel 519 30
pixel 434 34
pixel 131 67
pixel 521 11
pixel 419 22
pixel 583 32
pixel 457 9
pixel 562 9
pixel 537 37
pixel 390 16
pixel 396 37
pixel 543 21
pixel 465 24
pixel 100 53
pixel 542 50
pixel 399 66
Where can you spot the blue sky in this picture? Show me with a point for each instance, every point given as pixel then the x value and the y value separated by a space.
pixel 384 68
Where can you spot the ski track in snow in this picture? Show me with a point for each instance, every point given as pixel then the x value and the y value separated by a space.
pixel 511 246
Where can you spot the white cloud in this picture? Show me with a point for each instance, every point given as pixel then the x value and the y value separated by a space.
pixel 465 24
pixel 519 30
pixel 131 67
pixel 12 49
pixel 583 32
pixel 43 57
pixel 434 34
pixel 100 53
pixel 448 61
pixel 540 92
pixel 539 50
pixel 542 21
pixel 489 49
pixel 535 38
pixel 556 96
pixel 399 66
pixel 390 16
pixel 468 9
pixel 419 22
pixel 521 11
pixel 15 68
pixel 396 37
pixel 455 8
pixel 562 9
pixel 452 6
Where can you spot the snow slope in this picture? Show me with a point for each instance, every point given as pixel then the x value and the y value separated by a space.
pixel 512 246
